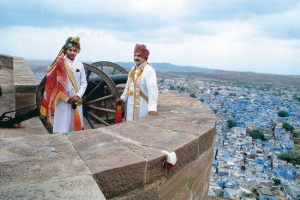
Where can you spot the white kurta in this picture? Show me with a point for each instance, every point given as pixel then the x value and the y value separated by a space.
pixel 148 86
pixel 64 113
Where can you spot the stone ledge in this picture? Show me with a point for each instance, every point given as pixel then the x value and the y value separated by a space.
pixel 44 167
pixel 25 85
pixel 124 159
pixel 24 79
pixel 7 61
pixel 7 99
pixel 76 187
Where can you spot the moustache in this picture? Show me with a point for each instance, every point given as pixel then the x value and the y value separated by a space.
pixel 136 60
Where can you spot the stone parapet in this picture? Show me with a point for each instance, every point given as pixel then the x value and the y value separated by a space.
pixel 17 82
pixel 7 61
pixel 25 84
pixel 7 90
pixel 123 161
pixel 44 167
pixel 126 158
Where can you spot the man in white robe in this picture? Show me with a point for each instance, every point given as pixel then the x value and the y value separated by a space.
pixel 141 92
pixel 64 113
pixel 65 86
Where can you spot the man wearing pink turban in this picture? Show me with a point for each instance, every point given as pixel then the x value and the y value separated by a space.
pixel 141 92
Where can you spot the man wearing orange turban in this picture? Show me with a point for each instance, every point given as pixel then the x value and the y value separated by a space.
pixel 141 92
pixel 65 85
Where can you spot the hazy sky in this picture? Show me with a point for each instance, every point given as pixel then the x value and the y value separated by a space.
pixel 240 35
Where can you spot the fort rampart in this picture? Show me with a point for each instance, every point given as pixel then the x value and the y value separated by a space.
pixel 122 161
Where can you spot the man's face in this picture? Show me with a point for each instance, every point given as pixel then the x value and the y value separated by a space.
pixel 138 59
pixel 72 53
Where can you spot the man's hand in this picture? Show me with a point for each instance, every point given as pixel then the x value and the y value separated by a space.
pixel 73 99
pixel 119 100
pixel 153 113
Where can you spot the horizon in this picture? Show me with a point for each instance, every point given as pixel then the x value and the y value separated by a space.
pixel 260 37
pixel 205 69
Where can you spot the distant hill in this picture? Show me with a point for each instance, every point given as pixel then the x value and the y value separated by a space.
pixel 291 82
pixel 169 70
pixel 164 67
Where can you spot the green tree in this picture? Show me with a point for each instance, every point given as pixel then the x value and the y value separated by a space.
pixel 193 95
pixel 296 135
pixel 256 134
pixel 291 157
pixel 202 100
pixel 215 110
pixel 287 127
pixel 296 97
pixel 172 87
pixel 283 113
pixel 230 123
pixel 182 88
pixel 216 93
pixel 276 181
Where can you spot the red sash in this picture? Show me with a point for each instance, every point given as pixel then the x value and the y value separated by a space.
pixel 56 90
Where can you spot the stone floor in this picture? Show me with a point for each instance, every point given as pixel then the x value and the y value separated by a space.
pixel 29 127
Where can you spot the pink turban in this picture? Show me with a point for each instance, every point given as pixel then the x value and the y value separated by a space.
pixel 142 50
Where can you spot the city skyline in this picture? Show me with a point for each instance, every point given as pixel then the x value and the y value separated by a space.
pixel 262 37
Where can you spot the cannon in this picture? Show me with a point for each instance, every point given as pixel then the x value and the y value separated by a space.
pixel 99 99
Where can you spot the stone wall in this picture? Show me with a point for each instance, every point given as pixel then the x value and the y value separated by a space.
pixel 17 82
pixel 123 161
pixel 25 85
pixel 7 61
pixel 7 98
pixel 126 158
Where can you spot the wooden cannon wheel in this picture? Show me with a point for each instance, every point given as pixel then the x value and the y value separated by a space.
pixel 100 96
pixel 109 68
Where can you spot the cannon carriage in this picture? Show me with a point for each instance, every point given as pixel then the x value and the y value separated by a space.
pixel 105 84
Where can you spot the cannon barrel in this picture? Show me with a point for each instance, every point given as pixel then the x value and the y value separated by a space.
pixel 117 79
pixel 95 83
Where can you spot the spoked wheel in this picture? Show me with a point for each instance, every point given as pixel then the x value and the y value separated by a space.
pixel 99 98
pixel 110 68
pixel 118 72
pixel 98 101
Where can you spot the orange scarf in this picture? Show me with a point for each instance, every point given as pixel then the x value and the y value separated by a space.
pixel 56 90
